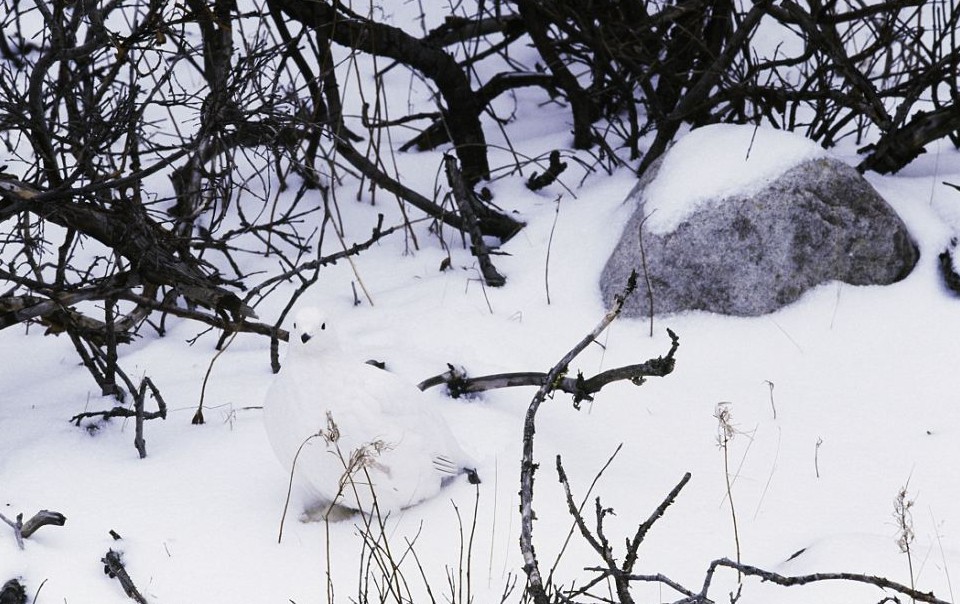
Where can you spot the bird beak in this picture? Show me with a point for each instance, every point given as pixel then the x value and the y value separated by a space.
pixel 305 337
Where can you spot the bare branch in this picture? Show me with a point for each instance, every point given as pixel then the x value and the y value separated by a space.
pixel 458 383
pixel 113 566
pixel 23 530
pixel 535 584
pixel 467 202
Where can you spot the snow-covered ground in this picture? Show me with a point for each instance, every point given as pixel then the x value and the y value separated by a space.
pixel 839 401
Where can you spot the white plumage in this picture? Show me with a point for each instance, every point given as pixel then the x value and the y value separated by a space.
pixel 379 439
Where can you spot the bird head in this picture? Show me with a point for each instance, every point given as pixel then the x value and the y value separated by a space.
pixel 313 333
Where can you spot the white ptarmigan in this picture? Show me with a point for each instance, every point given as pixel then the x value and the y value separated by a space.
pixel 364 435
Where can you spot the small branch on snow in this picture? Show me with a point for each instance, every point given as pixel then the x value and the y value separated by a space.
pixel 17 528
pixel 138 412
pixel 118 412
pixel 538 181
pixel 787 581
pixel 23 530
pixel 582 389
pixel 42 518
pixel 113 566
pixel 778 579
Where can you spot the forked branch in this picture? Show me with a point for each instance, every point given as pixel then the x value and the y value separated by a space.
pixel 528 467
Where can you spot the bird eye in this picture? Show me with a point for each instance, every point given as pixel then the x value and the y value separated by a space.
pixel 323 326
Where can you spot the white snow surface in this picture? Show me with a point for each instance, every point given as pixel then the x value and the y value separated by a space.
pixel 839 401
pixel 716 162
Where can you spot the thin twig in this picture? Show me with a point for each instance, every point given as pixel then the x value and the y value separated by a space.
pixel 646 273
pixel 198 415
pixel 293 467
pixel 546 264
pixel 579 509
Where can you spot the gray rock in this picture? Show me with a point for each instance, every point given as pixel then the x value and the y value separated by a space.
pixel 748 256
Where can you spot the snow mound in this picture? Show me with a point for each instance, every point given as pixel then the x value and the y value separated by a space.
pixel 716 162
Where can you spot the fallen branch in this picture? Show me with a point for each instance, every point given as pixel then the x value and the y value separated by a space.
pixel 23 530
pixel 118 412
pixel 702 597
pixel 581 388
pixel 788 581
pixel 114 568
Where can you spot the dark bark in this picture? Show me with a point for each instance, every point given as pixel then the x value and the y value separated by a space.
pixel 582 389
pixel 536 21
pixel 41 519
pixel 945 261
pixel 457 30
pixel 113 566
pixel 900 146
pixel 13 592
pixel 436 134
pixel 491 222
pixel 556 167
pixel 468 203
pixel 126 228
pixel 461 113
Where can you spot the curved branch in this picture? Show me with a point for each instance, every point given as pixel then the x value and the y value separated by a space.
pixel 462 111
pixel 582 107
pixel 787 581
